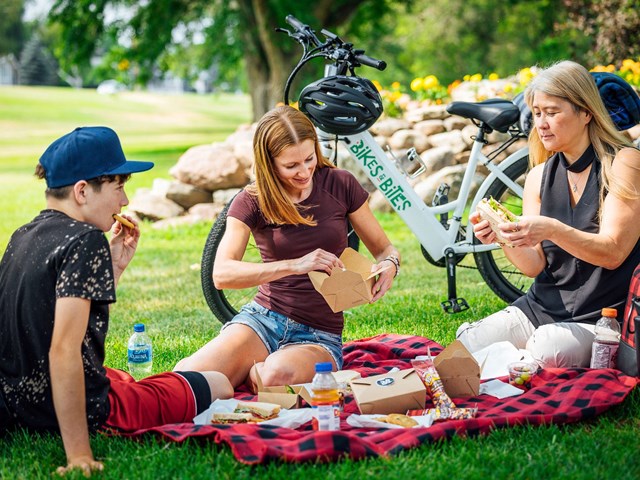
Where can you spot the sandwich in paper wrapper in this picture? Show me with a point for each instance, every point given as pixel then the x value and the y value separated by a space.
pixel 233 411
pixel 495 213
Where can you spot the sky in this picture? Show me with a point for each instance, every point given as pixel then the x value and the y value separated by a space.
pixel 36 9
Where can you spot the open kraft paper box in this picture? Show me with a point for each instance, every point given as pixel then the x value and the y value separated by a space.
pixel 458 370
pixel 348 288
pixel 290 396
pixel 287 396
pixel 394 392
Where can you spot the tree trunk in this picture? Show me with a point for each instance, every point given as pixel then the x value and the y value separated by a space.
pixel 271 56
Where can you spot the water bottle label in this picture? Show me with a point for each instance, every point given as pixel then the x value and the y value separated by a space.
pixel 139 355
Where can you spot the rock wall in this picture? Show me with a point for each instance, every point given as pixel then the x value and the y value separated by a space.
pixel 207 176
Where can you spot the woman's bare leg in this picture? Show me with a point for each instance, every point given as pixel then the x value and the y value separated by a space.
pixel 233 352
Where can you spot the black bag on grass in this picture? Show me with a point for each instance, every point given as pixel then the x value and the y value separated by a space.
pixel 629 349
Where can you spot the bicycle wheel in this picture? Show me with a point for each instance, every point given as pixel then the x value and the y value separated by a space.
pixel 225 303
pixel 498 272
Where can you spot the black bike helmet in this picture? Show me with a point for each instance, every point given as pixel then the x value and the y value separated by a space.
pixel 341 105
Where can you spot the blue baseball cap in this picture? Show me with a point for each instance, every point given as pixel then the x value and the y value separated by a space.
pixel 86 153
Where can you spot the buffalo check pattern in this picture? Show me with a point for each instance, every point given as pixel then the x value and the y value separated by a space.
pixel 557 396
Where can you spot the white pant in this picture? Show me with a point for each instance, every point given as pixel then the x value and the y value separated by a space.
pixel 552 345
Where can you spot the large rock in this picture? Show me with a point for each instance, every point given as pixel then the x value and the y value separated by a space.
pixel 408 138
pixel 451 139
pixel 222 197
pixel 427 112
pixel 455 122
pixel 150 205
pixel 437 158
pixel 388 126
pixel 430 127
pixel 241 143
pixel 452 176
pixel 210 167
pixel 187 195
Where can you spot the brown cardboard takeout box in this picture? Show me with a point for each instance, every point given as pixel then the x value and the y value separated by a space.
pixel 394 392
pixel 348 288
pixel 284 395
pixel 458 370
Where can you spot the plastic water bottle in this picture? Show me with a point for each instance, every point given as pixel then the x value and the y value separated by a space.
pixel 607 340
pixel 325 399
pixel 140 353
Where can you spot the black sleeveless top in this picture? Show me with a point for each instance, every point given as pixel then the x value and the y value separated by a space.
pixel 569 289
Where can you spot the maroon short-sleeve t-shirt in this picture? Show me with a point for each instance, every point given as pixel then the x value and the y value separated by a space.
pixel 336 193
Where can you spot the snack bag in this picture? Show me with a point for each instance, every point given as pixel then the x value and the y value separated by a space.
pixel 444 409
pixel 429 375
pixel 451 414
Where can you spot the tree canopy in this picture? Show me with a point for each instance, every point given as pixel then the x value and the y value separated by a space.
pixel 11 26
pixel 142 37
pixel 236 40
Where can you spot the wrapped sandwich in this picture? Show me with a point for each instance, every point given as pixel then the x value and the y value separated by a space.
pixel 248 412
pixel 495 213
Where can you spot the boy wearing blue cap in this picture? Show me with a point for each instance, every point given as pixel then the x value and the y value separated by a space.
pixel 57 279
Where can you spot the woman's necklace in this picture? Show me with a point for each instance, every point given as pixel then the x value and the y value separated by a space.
pixel 573 183
pixel 577 167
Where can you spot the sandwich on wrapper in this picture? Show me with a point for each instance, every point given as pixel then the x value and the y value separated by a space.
pixel 248 412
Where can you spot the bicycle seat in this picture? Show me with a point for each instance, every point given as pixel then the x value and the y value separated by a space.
pixel 496 113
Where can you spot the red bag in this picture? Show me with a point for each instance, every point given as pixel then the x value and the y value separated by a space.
pixel 629 349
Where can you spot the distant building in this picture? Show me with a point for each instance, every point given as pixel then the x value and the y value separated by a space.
pixel 8 70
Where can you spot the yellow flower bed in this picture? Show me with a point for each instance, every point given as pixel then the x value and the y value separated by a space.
pixel 429 90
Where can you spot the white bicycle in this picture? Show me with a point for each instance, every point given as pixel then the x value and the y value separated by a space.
pixel 439 227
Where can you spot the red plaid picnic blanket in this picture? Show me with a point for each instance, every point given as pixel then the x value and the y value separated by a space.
pixel 557 396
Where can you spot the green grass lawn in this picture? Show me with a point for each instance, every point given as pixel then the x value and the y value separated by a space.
pixel 162 289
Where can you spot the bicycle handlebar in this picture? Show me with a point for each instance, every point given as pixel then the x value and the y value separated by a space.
pixel 305 34
pixel 303 29
pixel 342 54
pixel 371 62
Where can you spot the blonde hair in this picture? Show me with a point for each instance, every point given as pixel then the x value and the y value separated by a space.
pixel 278 129
pixel 572 82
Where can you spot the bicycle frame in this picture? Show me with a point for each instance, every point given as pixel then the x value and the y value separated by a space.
pixel 421 218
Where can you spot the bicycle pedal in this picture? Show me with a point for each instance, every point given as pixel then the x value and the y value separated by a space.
pixel 455 305
pixel 442 194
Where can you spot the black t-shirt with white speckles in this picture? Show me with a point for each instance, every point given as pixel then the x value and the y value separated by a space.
pixel 53 256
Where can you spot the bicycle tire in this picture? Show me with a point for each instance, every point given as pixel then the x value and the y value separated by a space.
pixel 216 299
pixel 224 304
pixel 502 277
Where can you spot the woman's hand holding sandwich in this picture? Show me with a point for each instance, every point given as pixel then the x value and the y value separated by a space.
pixel 523 238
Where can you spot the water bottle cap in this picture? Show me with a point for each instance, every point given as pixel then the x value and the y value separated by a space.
pixel 609 312
pixel 138 327
pixel 324 367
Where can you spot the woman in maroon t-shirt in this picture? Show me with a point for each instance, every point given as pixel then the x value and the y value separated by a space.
pixel 297 211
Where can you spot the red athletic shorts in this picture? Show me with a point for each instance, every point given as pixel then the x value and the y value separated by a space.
pixel 156 400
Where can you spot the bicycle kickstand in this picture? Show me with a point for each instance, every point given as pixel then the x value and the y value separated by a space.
pixel 454 304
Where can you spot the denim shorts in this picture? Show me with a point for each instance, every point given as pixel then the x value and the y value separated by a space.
pixel 277 331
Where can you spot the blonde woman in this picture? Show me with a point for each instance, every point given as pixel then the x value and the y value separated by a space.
pixel 580 229
pixel 297 211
